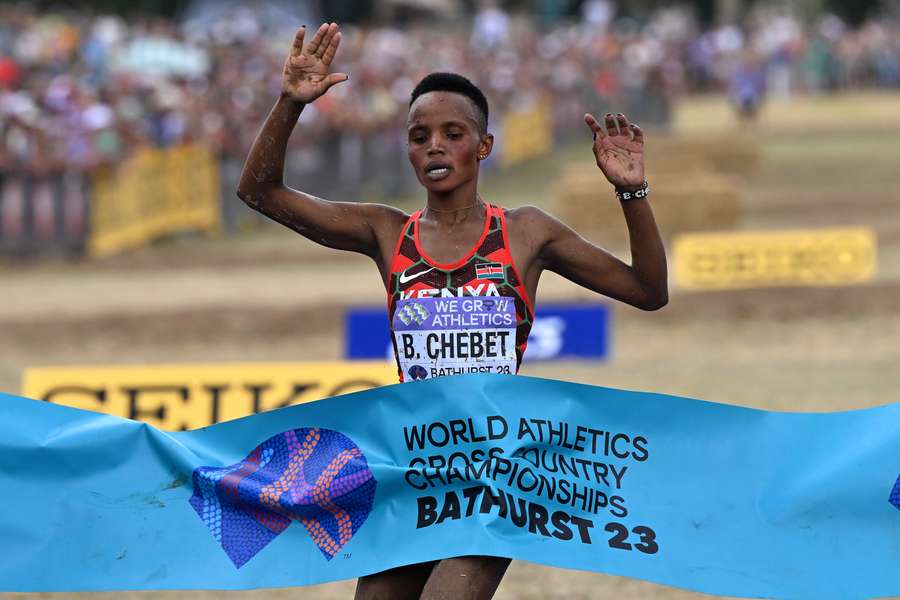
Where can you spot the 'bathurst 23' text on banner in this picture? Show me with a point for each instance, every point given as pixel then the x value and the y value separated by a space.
pixel 703 496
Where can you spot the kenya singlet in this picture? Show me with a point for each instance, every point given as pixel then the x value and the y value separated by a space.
pixel 471 316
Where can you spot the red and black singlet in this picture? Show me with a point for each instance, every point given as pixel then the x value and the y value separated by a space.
pixel 470 316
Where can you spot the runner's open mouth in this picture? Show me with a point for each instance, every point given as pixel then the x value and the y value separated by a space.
pixel 437 169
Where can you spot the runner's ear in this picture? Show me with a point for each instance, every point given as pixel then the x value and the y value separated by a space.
pixel 486 145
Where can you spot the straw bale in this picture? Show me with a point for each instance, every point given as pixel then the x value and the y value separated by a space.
pixel 733 155
pixel 694 200
pixel 694 187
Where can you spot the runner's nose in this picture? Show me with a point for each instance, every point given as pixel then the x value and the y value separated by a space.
pixel 434 145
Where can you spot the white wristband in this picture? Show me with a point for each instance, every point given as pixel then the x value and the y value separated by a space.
pixel 643 192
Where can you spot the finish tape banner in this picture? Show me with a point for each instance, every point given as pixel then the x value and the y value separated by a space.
pixel 709 497
pixel 190 396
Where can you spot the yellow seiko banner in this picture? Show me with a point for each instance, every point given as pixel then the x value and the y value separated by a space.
pixel 527 133
pixel 155 193
pixel 188 396
pixel 775 258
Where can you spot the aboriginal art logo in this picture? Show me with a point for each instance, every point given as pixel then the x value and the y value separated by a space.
pixel 318 477
pixel 895 494
pixel 413 313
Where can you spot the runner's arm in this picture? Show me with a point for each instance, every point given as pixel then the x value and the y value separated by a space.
pixel 341 225
pixel 642 284
pixel 619 150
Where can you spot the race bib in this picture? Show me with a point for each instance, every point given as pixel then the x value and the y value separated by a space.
pixel 451 336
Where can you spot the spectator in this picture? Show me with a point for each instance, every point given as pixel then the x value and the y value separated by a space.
pixel 89 89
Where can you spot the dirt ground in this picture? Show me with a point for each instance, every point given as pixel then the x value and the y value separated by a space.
pixel 274 296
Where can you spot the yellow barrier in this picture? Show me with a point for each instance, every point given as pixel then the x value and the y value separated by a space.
pixel 179 397
pixel 155 193
pixel 526 133
pixel 775 258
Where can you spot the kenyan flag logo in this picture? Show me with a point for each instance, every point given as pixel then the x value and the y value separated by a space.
pixel 489 271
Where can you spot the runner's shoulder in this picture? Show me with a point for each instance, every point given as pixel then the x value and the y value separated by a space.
pixel 383 214
pixel 383 219
pixel 533 222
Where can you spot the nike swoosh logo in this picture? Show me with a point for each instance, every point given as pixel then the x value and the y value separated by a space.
pixel 404 278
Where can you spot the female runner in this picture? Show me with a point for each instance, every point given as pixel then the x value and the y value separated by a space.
pixel 460 273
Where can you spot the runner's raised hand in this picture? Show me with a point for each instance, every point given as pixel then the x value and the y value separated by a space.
pixel 306 75
pixel 619 149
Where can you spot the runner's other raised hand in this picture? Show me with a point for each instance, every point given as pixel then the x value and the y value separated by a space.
pixel 306 75
pixel 619 149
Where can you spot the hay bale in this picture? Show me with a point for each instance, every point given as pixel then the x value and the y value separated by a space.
pixel 694 188
pixel 731 155
pixel 695 199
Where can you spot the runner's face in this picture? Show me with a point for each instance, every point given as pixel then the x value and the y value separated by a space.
pixel 443 140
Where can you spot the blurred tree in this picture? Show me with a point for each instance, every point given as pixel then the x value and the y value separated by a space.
pixel 355 11
pixel 729 12
pixel 159 7
pixel 855 11
pixel 347 11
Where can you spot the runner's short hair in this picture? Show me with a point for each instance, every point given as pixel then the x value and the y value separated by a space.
pixel 452 82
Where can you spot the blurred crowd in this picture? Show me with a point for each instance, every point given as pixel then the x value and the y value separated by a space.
pixel 78 90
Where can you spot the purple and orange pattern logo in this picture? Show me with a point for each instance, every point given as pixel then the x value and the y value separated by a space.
pixel 318 477
pixel 895 494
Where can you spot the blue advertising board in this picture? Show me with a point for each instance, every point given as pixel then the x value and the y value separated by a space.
pixel 559 331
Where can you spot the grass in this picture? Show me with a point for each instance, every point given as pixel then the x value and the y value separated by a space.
pixel 852 113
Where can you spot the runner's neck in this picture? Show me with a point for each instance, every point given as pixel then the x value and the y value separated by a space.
pixel 451 214
pixel 454 206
